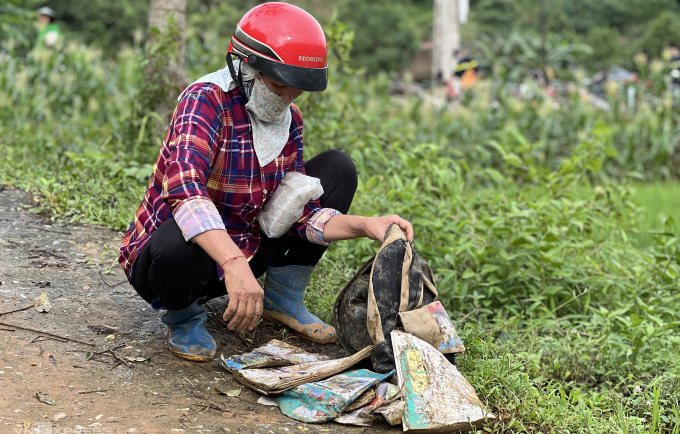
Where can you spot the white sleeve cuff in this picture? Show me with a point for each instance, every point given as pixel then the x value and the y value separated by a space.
pixel 317 223
pixel 196 216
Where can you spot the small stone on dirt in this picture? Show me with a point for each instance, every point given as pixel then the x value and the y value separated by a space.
pixel 59 416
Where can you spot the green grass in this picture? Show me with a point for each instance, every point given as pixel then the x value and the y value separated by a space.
pixel 658 202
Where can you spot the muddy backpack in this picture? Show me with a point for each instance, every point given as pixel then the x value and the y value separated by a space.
pixel 393 290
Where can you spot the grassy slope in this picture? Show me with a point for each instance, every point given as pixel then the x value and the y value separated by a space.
pixel 658 202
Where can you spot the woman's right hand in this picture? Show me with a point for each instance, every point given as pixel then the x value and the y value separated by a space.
pixel 245 295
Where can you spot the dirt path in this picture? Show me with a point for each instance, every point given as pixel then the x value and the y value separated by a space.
pixel 101 394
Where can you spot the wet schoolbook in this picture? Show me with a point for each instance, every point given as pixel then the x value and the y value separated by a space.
pixel 325 400
pixel 437 398
pixel 432 324
pixel 275 353
pixel 277 380
pixel 364 414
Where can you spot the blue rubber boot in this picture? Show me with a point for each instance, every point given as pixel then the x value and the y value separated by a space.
pixel 284 293
pixel 187 336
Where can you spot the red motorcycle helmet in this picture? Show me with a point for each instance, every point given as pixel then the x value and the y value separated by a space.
pixel 283 42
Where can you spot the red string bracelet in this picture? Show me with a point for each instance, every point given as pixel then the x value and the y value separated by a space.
pixel 230 259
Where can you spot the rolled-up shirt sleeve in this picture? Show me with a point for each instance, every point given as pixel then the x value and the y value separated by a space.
pixel 197 216
pixel 195 128
pixel 312 223
pixel 316 223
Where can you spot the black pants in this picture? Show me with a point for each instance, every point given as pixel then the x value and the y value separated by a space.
pixel 179 272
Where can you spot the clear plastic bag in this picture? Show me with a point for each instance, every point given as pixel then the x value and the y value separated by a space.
pixel 287 203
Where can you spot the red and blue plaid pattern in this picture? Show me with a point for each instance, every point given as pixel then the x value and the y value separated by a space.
pixel 208 154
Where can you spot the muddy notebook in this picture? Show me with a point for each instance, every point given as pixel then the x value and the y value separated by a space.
pixel 324 400
pixel 278 380
pixel 275 353
pixel 363 415
pixel 437 398
pixel 432 324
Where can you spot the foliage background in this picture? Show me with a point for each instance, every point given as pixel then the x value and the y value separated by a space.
pixel 389 32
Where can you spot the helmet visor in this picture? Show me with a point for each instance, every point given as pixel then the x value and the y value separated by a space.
pixel 297 77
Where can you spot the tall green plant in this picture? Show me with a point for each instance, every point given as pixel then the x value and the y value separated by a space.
pixel 522 56
pixel 16 30
pixel 158 90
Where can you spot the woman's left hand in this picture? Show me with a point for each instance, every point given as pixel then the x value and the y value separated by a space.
pixel 375 228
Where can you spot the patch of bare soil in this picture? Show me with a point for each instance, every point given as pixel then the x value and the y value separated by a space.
pixel 105 387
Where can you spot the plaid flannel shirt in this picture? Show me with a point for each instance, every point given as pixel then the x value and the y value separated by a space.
pixel 207 176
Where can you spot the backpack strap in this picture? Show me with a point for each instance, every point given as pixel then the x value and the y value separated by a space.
pixel 373 319
pixel 405 267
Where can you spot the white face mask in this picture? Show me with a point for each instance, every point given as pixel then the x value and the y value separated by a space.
pixel 270 118
pixel 265 104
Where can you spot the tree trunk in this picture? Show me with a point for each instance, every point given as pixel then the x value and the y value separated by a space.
pixel 158 13
pixel 446 39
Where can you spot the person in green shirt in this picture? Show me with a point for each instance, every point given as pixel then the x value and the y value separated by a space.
pixel 49 33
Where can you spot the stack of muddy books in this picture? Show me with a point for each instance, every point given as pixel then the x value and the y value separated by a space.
pixel 427 393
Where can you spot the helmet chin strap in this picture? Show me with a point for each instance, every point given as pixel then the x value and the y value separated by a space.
pixel 238 79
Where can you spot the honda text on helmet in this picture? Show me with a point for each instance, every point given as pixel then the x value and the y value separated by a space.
pixel 284 42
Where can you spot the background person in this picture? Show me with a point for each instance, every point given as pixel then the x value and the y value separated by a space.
pixel 49 33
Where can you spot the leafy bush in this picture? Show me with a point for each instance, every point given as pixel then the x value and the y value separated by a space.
pixel 498 16
pixel 64 138
pixel 384 40
pixel 16 17
pixel 609 48
pixel 660 33
pixel 157 96
pixel 108 25
pixel 586 14
pixel 526 56
pixel 210 25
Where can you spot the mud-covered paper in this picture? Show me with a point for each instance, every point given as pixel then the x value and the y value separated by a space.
pixel 275 353
pixel 437 398
pixel 432 324
pixel 364 416
pixel 392 411
pixel 362 401
pixel 325 400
